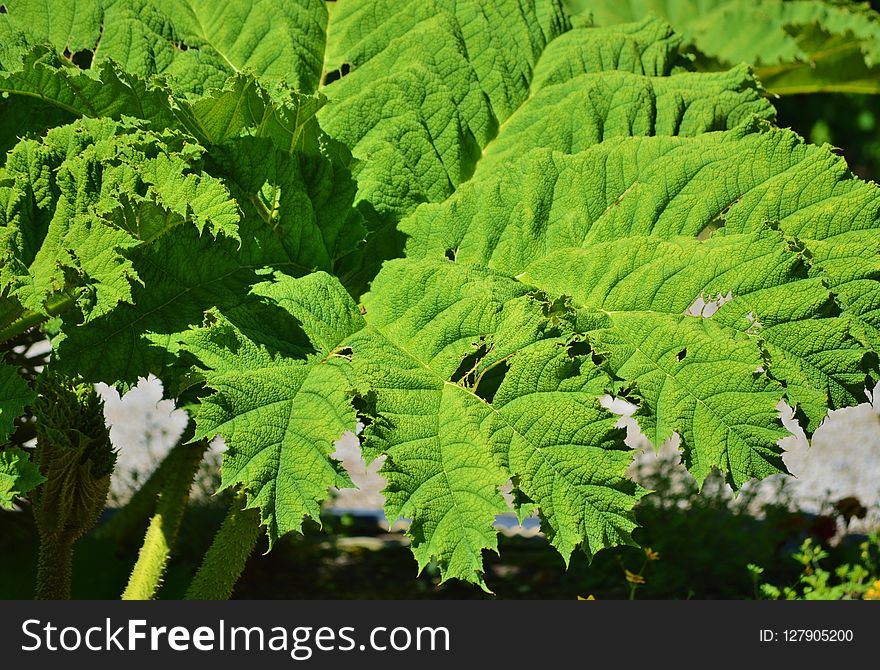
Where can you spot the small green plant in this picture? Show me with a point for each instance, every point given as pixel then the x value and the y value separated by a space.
pixel 820 581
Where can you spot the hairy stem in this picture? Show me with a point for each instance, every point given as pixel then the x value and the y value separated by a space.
pixel 54 568
pixel 226 557
pixel 146 577
pixel 132 518
pixel 76 460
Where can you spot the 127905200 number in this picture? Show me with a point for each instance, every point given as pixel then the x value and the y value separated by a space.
pixel 817 635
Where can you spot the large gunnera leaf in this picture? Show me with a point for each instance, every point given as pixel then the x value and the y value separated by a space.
pixel 183 171
pixel 77 201
pixel 471 380
pixel 95 215
pixel 499 79
pixel 647 233
pixel 705 264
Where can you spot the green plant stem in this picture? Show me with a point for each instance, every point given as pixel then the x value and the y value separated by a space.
pixel 132 518
pixel 54 568
pixel 27 318
pixel 226 557
pixel 146 577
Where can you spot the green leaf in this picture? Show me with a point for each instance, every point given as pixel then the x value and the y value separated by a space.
pixel 604 228
pixel 27 117
pixel 429 117
pixel 245 107
pixel 766 291
pixel 236 106
pixel 106 91
pixel 257 163
pixel 196 44
pixel 707 385
pixel 296 217
pixel 15 395
pixel 78 201
pixel 577 175
pixel 581 214
pixel 498 84
pixel 18 476
pixel 140 337
pixel 565 449
pixel 796 46
pixel 468 384
pixel 587 109
pixel 282 394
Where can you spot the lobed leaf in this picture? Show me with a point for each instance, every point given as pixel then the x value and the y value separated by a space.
pixel 77 202
pixel 581 215
pixel 281 394
pixel 439 335
pixel 497 84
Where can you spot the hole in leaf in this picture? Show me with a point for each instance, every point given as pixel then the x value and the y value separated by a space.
pixel 3 9
pixel 332 76
pixel 365 408
pixel 466 369
pixel 715 224
pixel 342 352
pixel 579 349
pixel 754 323
pixel 619 405
pixel 491 381
pixel 705 308
pixel 681 354
pixel 830 308
pixel 82 59
pixel 556 311
pixel 450 254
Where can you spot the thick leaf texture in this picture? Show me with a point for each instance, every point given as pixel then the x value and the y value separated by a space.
pixel 76 202
pixel 468 382
pixel 198 44
pixel 238 158
pixel 282 393
pixel 582 214
pixel 500 81
pixel 644 229
pixel 107 91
